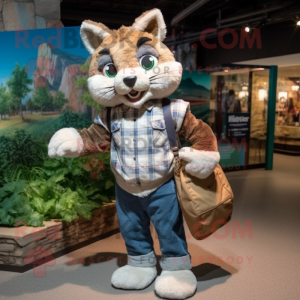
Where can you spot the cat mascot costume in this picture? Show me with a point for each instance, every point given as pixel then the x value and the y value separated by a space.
pixel 131 71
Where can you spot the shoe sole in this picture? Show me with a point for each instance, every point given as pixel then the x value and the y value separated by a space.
pixel 174 298
pixel 117 288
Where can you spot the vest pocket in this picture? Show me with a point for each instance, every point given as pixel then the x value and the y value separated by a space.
pixel 116 133
pixel 159 133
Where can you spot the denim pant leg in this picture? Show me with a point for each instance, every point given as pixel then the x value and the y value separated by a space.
pixel 134 225
pixel 166 216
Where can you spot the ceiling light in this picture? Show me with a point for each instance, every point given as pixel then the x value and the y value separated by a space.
pixel 247 29
pixel 298 23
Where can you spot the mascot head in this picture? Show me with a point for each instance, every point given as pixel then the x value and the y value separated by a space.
pixel 130 65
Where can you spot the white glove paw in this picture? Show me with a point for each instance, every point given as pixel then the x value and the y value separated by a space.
pixel 65 142
pixel 200 163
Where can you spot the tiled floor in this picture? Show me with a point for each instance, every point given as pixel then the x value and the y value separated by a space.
pixel 256 257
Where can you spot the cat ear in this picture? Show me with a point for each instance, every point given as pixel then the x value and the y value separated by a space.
pixel 92 34
pixel 152 21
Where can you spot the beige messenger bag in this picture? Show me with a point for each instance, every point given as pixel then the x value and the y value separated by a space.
pixel 206 204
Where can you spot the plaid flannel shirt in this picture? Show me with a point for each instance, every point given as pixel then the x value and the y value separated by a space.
pixel 141 158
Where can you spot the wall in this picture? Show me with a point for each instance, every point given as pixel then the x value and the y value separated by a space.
pixel 29 14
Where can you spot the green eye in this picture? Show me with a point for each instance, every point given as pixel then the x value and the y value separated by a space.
pixel 148 62
pixel 109 70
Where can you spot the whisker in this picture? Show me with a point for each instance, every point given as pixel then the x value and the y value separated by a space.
pixel 103 94
pixel 160 75
pixel 153 76
pixel 108 87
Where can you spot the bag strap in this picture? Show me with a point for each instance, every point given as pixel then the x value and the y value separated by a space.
pixel 170 126
pixel 108 118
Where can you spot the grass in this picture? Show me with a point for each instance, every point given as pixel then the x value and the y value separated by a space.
pixel 35 124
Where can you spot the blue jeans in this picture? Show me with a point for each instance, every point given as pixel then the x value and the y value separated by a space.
pixel 162 208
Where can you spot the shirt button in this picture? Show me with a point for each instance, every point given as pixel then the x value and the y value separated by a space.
pixel 134 140
pixel 134 158
pixel 134 120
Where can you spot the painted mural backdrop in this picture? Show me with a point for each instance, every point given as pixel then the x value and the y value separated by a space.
pixel 52 66
pixel 195 88
pixel 43 88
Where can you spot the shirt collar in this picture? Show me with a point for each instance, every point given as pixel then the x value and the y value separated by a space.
pixel 148 105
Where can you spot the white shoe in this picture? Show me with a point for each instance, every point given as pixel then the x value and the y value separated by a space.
pixel 133 278
pixel 179 284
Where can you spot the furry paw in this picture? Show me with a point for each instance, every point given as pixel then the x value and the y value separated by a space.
pixel 200 163
pixel 133 278
pixel 180 284
pixel 65 142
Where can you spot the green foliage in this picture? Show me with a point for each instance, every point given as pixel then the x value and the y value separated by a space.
pixel 37 188
pixel 42 98
pixel 13 104
pixel 29 104
pixel 59 100
pixel 62 189
pixel 44 129
pixel 69 119
pixel 81 83
pixel 34 187
pixel 3 101
pixel 54 201
pixel 15 208
pixel 18 85
pixel 18 151
pixel 77 179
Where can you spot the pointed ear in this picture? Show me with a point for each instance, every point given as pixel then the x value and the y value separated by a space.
pixel 92 34
pixel 152 21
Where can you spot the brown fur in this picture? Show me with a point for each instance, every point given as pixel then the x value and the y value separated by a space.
pixel 100 25
pixel 122 46
pixel 198 133
pixel 152 26
pixel 95 139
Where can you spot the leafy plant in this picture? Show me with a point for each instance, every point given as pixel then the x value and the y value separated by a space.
pixel 15 209
pixel 36 188
pixel 54 201
pixel 18 151
pixel 62 189
pixel 78 179
pixel 69 119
